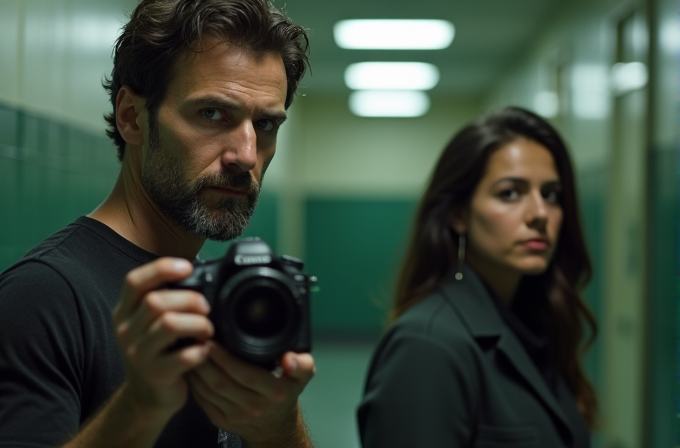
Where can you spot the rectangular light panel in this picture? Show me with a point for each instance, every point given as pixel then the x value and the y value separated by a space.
pixel 384 34
pixel 391 76
pixel 386 103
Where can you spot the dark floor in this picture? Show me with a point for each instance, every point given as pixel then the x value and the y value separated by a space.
pixel 330 400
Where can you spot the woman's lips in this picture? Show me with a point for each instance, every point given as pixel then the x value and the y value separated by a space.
pixel 536 244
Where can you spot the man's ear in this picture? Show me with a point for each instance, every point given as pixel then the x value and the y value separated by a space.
pixel 458 220
pixel 130 107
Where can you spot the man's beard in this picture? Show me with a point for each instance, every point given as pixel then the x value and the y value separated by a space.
pixel 180 199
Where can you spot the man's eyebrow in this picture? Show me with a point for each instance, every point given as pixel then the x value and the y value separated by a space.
pixel 211 101
pixel 218 103
pixel 274 115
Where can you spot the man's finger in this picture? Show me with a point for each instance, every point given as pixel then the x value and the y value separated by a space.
pixel 166 330
pixel 299 366
pixel 246 374
pixel 148 277
pixel 234 402
pixel 167 369
pixel 156 303
pixel 201 392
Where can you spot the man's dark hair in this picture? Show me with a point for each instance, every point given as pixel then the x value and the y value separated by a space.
pixel 159 31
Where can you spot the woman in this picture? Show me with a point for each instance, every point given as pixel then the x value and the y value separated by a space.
pixel 485 344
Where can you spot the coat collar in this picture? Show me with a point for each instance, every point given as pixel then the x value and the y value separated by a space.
pixel 472 302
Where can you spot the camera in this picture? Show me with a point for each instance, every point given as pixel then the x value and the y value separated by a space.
pixel 259 302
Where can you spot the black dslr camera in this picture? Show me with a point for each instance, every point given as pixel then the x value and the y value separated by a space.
pixel 259 302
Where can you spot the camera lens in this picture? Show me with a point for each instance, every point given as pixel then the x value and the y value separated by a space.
pixel 257 315
pixel 261 312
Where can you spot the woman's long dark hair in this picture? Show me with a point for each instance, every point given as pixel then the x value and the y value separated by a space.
pixel 431 255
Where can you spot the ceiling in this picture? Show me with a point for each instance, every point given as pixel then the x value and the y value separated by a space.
pixel 490 35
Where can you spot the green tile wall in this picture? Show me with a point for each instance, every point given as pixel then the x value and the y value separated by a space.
pixel 9 202
pixel 663 319
pixel 50 174
pixel 354 247
pixel 592 185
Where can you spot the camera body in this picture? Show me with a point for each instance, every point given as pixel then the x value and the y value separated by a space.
pixel 260 305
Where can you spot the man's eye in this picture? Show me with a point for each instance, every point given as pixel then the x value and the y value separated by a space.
pixel 266 125
pixel 212 114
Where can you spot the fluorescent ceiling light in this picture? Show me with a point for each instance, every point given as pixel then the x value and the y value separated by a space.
pixel 590 91
pixel 391 76
pixel 626 77
pixel 386 34
pixel 670 34
pixel 386 103
pixel 547 104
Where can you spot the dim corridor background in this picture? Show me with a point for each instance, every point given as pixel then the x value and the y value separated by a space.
pixel 342 189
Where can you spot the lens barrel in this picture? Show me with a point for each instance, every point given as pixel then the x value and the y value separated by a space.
pixel 256 315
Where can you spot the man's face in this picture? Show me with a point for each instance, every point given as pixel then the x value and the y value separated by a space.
pixel 213 137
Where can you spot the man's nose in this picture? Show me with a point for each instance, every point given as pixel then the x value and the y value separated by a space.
pixel 240 147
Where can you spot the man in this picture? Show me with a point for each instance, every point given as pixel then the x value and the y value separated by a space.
pixel 199 89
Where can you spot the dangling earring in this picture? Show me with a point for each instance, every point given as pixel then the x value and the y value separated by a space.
pixel 461 257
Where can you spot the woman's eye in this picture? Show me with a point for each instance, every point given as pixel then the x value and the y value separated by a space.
pixel 552 196
pixel 212 114
pixel 266 125
pixel 509 194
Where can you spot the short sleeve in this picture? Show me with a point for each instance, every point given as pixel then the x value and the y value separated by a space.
pixel 41 352
pixel 419 393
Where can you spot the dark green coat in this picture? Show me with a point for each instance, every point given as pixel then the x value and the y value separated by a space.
pixel 451 373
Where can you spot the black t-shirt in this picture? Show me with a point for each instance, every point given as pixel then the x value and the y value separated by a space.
pixel 59 360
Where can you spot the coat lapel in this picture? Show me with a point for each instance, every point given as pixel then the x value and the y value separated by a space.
pixel 471 300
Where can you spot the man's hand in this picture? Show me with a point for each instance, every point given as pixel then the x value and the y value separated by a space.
pixel 250 401
pixel 147 322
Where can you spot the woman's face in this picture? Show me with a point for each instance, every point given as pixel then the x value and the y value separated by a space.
pixel 513 221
